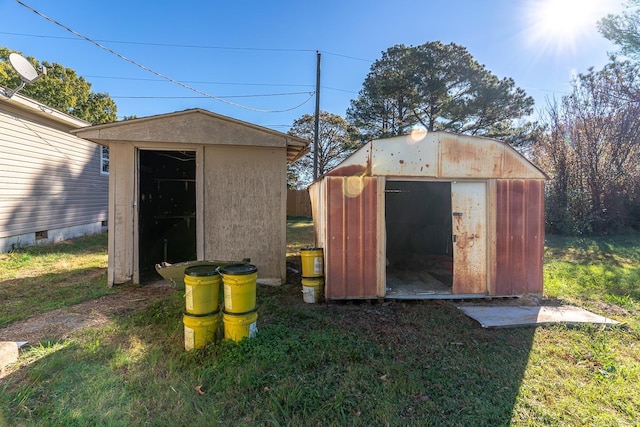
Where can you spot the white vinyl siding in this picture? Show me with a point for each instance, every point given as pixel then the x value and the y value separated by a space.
pixel 49 179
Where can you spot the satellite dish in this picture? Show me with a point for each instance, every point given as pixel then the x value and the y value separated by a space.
pixel 27 73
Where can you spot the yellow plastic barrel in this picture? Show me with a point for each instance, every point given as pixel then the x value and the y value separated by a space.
pixel 239 282
pixel 240 325
pixel 201 289
pixel 200 330
pixel 312 262
pixel 312 289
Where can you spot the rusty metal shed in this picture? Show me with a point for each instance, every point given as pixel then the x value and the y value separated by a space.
pixel 434 215
pixel 195 185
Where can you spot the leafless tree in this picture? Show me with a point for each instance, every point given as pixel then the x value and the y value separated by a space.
pixel 592 150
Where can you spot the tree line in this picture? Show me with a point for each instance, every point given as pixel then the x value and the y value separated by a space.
pixel 590 146
pixel 61 89
pixel 435 86
pixel 588 141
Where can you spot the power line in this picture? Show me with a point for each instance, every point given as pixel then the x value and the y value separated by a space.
pixel 202 96
pixel 347 56
pixel 202 82
pixel 189 46
pixel 131 61
pixel 225 83
pixel 339 90
pixel 203 47
pixel 222 83
pixel 192 46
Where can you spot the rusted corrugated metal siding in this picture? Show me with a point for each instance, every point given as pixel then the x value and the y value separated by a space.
pixel 350 251
pixel 469 213
pixel 519 236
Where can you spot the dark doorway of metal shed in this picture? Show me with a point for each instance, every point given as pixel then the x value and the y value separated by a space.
pixel 166 209
pixel 419 250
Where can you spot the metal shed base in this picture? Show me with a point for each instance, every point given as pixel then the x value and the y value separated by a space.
pixel 426 296
pixel 423 286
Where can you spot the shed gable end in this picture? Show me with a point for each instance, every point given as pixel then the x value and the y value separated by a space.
pixel 190 127
pixel 438 155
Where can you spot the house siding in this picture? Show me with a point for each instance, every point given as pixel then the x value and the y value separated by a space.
pixel 49 179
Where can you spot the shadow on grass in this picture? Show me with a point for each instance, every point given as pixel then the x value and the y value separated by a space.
pixel 96 243
pixel 613 250
pixel 351 363
pixel 28 296
pixel 605 267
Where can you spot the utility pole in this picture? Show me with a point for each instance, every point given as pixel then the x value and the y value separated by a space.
pixel 316 123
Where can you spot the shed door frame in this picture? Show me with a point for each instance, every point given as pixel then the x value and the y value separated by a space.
pixel 199 150
pixel 475 281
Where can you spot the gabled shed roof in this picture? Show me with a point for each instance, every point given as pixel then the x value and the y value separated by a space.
pixel 194 126
pixel 438 155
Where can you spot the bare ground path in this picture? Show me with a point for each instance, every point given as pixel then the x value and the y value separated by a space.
pixel 61 323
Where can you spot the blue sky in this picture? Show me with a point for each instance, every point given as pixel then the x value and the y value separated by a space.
pixel 262 55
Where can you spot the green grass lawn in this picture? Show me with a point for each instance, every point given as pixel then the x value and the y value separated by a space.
pixel 349 363
pixel 38 279
pixel 594 271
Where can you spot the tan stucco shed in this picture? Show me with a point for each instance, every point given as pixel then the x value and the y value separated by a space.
pixel 195 185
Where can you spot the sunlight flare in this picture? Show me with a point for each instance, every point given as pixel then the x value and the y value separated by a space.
pixel 564 25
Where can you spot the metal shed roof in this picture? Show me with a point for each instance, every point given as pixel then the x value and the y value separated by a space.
pixel 438 155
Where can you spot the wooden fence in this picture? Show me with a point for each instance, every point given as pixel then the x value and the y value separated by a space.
pixel 298 203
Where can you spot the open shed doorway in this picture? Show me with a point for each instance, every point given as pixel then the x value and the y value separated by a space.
pixel 419 249
pixel 167 209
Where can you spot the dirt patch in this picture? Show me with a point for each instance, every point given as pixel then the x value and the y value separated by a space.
pixel 612 309
pixel 61 323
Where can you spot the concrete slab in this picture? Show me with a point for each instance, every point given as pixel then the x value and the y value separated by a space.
pixel 513 316
pixel 8 353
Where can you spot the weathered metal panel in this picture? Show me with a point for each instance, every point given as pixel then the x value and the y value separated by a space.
pixel 405 156
pixel 491 236
pixel 488 258
pixel 463 156
pixel 357 164
pixel 534 249
pixel 438 155
pixel 468 158
pixel 318 212
pixel 351 245
pixel 381 238
pixel 519 236
pixel 468 206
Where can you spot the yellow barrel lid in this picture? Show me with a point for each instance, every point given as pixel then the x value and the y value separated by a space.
pixel 238 269
pixel 201 270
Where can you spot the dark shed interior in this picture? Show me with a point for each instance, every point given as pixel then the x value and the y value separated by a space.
pixel 419 248
pixel 167 208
